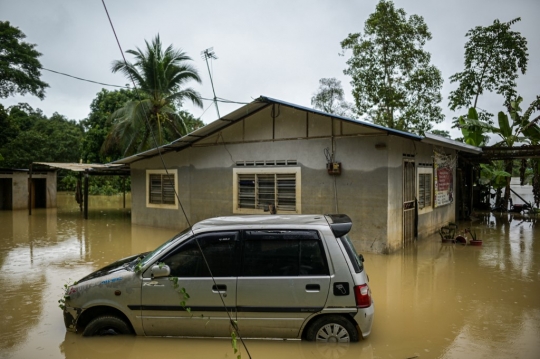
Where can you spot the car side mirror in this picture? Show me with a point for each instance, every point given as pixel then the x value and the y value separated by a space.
pixel 158 271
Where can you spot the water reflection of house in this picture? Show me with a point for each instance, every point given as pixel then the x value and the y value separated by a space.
pixel 394 185
pixel 14 189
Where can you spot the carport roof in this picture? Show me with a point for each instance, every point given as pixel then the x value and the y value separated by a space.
pixel 88 167
pixel 262 102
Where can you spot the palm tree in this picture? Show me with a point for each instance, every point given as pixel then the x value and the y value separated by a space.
pixel 160 77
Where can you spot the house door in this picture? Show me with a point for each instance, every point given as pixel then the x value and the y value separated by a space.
pixel 6 193
pixel 409 207
pixel 39 193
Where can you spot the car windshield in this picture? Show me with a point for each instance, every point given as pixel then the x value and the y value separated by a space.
pixel 156 252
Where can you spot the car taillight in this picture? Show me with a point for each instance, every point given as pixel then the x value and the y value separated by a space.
pixel 362 295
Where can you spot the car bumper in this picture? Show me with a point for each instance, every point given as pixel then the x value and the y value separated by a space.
pixel 70 318
pixel 364 319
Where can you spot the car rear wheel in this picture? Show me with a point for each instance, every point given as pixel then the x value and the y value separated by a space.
pixel 332 329
pixel 106 325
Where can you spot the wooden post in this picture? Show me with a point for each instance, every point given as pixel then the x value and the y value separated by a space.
pixel 124 189
pixel 30 192
pixel 85 200
pixel 471 190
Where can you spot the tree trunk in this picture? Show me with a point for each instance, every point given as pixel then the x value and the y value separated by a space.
pixel 508 168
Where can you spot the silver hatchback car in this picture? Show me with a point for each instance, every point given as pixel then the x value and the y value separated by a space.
pixel 267 276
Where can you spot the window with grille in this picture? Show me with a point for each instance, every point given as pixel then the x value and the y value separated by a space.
pixel 256 191
pixel 161 189
pixel 425 192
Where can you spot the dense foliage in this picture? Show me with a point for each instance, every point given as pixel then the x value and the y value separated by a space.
pixel 27 135
pixel 98 125
pixel 393 82
pixel 19 64
pixel 494 56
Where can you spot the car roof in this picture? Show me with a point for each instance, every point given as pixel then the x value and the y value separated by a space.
pixel 262 220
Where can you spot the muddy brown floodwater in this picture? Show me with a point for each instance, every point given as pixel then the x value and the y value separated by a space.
pixel 431 301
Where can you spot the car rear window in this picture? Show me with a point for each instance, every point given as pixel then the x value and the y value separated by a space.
pixel 351 252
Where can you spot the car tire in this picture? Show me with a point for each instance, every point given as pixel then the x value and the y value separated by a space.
pixel 332 329
pixel 106 325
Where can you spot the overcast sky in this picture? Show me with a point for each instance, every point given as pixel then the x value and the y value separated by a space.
pixel 273 48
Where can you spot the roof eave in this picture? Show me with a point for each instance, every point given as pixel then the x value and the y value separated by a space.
pixel 436 140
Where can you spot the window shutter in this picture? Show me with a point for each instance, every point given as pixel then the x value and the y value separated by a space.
pixel 286 192
pixel 155 188
pixel 246 191
pixel 168 189
pixel 161 189
pixel 266 190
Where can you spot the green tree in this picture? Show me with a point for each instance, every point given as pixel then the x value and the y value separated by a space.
pixel 393 82
pixel 98 125
pixel 19 64
pixel 34 137
pixel 160 76
pixel 330 98
pixel 494 56
pixel 520 130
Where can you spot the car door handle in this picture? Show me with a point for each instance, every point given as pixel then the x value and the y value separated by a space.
pixel 217 288
pixel 313 288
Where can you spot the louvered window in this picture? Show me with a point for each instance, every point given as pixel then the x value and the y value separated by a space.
pixel 259 190
pixel 424 190
pixel 161 189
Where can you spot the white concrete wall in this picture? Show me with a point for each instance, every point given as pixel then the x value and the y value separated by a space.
pixel 369 189
pixel 20 188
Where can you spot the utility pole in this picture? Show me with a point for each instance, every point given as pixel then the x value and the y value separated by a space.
pixel 210 54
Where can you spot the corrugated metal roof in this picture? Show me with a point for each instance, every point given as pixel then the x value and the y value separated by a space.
pixel 81 167
pixel 258 105
pixel 437 140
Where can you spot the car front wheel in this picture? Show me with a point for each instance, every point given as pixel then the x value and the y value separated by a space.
pixel 106 325
pixel 332 329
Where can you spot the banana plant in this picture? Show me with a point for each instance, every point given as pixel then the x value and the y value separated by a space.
pixel 522 130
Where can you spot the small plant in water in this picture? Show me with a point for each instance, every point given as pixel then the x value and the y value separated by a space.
pixel 65 296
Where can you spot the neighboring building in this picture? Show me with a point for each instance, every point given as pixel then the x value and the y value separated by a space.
pixel 14 189
pixel 273 153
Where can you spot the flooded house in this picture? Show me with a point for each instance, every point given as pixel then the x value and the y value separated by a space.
pixel 14 189
pixel 270 156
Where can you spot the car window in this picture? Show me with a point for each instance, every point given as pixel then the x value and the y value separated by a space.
pixel 283 253
pixel 351 252
pixel 156 252
pixel 220 250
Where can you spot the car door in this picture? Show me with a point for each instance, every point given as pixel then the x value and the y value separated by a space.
pixel 284 279
pixel 188 302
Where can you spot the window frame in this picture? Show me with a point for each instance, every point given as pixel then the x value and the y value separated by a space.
pixel 258 171
pixel 424 171
pixel 171 172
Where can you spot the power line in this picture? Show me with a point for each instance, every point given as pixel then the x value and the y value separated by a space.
pixel 233 323
pixel 219 99
pixel 80 78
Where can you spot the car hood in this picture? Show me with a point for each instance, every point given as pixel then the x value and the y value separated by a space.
pixel 121 264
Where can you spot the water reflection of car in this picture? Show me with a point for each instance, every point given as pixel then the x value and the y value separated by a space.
pixel 271 276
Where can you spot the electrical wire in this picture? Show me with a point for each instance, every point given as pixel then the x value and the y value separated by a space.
pixel 80 78
pixel 219 99
pixel 233 323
